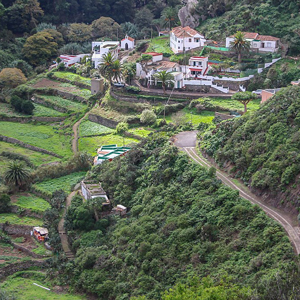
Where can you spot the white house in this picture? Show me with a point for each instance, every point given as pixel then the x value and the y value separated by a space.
pixel 70 60
pixel 198 66
pixel 185 38
pixel 155 56
pixel 127 43
pixel 101 48
pixel 262 43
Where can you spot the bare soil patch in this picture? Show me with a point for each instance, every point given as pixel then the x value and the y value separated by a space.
pixel 44 83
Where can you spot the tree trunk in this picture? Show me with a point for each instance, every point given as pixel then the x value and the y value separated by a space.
pixel 245 107
pixel 240 57
pixel 164 88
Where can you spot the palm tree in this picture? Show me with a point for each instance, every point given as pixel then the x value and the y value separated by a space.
pixel 107 66
pixel 117 70
pixel 17 174
pixel 169 16
pixel 165 77
pixel 240 44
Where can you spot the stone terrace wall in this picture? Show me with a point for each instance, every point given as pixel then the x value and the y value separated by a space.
pixel 79 84
pixel 32 119
pixel 27 146
pixel 103 121
pixel 16 229
pixel 54 92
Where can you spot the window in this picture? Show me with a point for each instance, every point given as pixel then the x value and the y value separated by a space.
pixel 269 44
pixel 190 40
pixel 178 47
pixel 178 41
pixel 254 45
pixel 196 40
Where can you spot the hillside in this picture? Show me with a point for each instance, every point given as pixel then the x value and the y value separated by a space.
pixel 262 148
pixel 183 222
pixel 219 19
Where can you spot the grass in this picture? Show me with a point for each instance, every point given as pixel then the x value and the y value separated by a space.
pixel 24 288
pixel 142 132
pixel 46 137
pixel 73 77
pixel 40 249
pixel 91 144
pixel 36 158
pixel 196 117
pixel 64 183
pixel 14 219
pixel 68 87
pixel 64 103
pixel 32 202
pixel 109 113
pixel 160 44
pixel 88 128
pixel 43 111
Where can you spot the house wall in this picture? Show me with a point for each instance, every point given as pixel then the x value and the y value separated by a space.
pixel 265 95
pixel 157 58
pixel 177 44
pixel 130 44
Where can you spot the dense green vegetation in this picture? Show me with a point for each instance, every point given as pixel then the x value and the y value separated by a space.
pixel 262 148
pixel 14 219
pixel 32 202
pixel 88 128
pixel 182 223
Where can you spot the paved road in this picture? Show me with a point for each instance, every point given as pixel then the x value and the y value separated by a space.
pixel 185 139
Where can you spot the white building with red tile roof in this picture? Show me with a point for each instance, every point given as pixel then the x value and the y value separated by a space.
pixel 127 43
pixel 185 38
pixel 261 43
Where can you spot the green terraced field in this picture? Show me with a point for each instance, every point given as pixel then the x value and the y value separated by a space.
pixel 64 103
pixel 31 202
pixel 64 183
pixel 142 132
pixel 91 144
pixel 43 111
pixel 36 158
pixel 73 77
pixel 88 128
pixel 46 137
pixel 14 219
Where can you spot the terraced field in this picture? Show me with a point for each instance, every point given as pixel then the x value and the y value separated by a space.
pixel 43 136
pixel 14 219
pixel 73 77
pixel 88 128
pixel 29 201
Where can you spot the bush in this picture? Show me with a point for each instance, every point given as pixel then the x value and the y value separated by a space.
pixel 4 203
pixel 132 89
pixel 20 105
pixel 27 107
pixel 148 116
pixel 16 103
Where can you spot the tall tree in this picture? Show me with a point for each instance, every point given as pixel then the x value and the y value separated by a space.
pixel 11 78
pixel 17 174
pixel 164 77
pixel 244 98
pixel 110 67
pixel 169 16
pixel 240 44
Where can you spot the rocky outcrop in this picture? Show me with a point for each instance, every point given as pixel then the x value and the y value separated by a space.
pixel 187 14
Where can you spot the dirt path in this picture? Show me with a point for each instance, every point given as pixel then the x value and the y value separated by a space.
pixel 75 131
pixel 185 140
pixel 61 229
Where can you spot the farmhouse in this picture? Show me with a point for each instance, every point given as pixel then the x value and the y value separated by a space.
pixel 109 152
pixel 101 48
pixel 198 66
pixel 185 38
pixel 260 43
pixel 127 43
pixel 70 60
pixel 40 233
pixel 267 94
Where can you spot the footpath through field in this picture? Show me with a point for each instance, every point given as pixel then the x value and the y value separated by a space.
pixel 187 142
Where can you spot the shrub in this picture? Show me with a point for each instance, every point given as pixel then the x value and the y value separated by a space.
pixel 132 89
pixel 16 103
pixel 4 203
pixel 27 107
pixel 148 116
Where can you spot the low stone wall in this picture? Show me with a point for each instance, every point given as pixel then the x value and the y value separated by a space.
pixel 16 229
pixel 103 121
pixel 32 119
pixel 27 146
pixel 17 267
pixel 26 251
pixel 233 85
pixel 131 135
pixel 53 92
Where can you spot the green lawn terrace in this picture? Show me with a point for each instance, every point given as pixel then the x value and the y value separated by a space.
pixel 72 77
pixel 42 136
pixel 29 201
pixel 109 152
pixel 16 220
pixel 88 128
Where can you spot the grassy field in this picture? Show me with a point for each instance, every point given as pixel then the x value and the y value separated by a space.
pixel 24 288
pixel 64 103
pixel 160 44
pixel 14 219
pixel 32 202
pixel 109 114
pixel 73 77
pixel 36 158
pixel 43 111
pixel 64 183
pixel 91 144
pixel 88 128
pixel 196 118
pixel 46 137
pixel 140 131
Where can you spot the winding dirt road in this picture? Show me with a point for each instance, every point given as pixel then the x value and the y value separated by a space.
pixel 187 142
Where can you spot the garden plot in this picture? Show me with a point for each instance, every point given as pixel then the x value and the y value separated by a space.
pixel 16 220
pixel 64 87
pixel 63 103
pixel 91 144
pixel 140 131
pixel 73 77
pixel 64 183
pixel 88 128
pixel 45 137
pixel 9 255
pixel 35 157
pixel 29 201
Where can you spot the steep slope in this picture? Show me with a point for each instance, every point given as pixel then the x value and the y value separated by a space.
pixel 183 222
pixel 263 148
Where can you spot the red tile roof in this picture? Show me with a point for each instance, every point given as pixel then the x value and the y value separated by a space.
pixel 184 31
pixel 153 53
pixel 249 35
pixel 129 38
pixel 267 38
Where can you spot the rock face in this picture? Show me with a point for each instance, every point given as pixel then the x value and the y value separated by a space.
pixel 187 14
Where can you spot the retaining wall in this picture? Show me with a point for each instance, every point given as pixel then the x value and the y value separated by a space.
pixel 16 229
pixel 13 268
pixel 54 92
pixel 27 251
pixel 32 119
pixel 27 146
pixel 26 212
pixel 79 84
pixel 44 102
pixel 103 121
